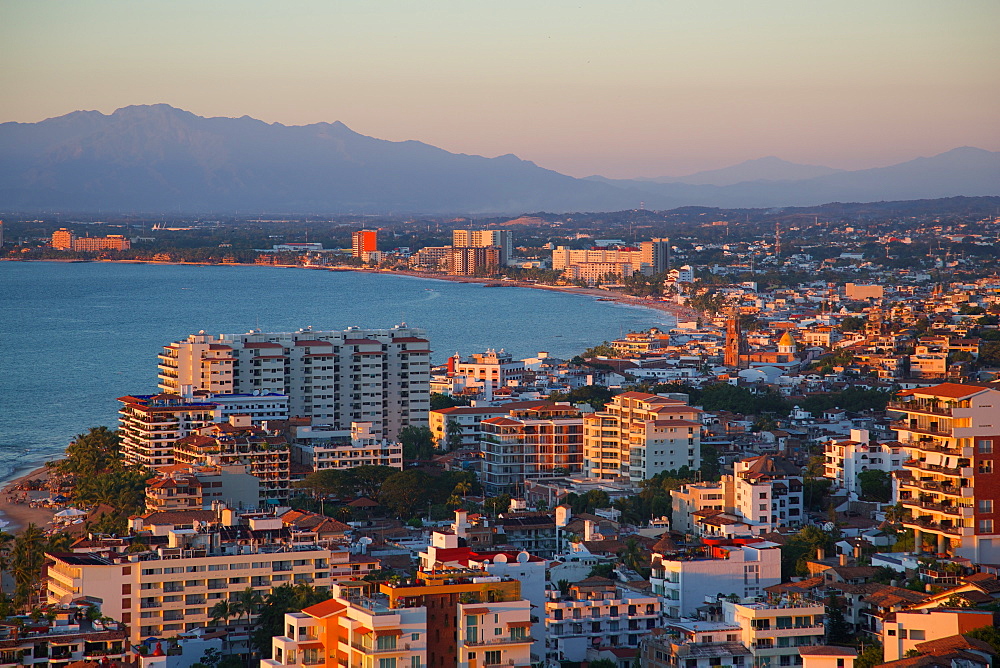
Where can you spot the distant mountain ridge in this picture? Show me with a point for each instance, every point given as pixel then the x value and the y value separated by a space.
pixel 156 158
pixel 769 168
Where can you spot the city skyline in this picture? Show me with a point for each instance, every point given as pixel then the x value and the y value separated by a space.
pixel 644 90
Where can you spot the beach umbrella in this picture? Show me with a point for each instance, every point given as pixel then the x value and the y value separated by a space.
pixel 71 512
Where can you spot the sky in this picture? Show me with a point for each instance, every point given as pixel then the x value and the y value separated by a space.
pixel 619 88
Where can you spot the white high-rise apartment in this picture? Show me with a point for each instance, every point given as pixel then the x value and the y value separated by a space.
pixel 502 239
pixel 380 376
pixel 638 435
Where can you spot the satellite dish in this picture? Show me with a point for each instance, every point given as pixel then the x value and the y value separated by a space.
pixel 500 559
pixel 522 557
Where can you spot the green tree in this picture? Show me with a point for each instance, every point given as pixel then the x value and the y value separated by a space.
pixel 711 467
pixel 988 634
pixel 870 657
pixel 405 493
pixel 439 401
pixel 632 556
pixel 603 571
pixel 26 560
pixel 282 600
pixel 838 631
pixel 453 435
pixel 418 442
pixel 595 395
pixel 875 486
pixel 92 453
pixel 603 663
pixel 602 350
pixel 802 547
pixel 221 612
pixel 248 602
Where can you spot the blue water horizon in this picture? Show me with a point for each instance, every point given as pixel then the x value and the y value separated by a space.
pixel 76 336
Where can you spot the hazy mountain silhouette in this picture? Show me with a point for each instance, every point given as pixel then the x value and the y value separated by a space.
pixel 760 169
pixel 161 159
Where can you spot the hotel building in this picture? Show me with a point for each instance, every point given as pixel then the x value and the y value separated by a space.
pixel 638 435
pixel 530 443
pixel 380 376
pixel 364 242
pixel 950 487
pixel 172 587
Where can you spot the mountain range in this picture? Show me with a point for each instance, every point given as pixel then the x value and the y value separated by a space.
pixel 159 159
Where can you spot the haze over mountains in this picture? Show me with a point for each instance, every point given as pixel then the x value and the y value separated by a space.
pixel 159 159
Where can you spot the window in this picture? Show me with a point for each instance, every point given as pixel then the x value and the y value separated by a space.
pixel 985 467
pixel 385 642
pixel 986 505
pixel 491 658
pixel 984 447
pixel 414 661
pixel 387 663
pixel 985 526
pixel 917 634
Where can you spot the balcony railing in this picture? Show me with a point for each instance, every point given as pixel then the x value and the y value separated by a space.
pixel 502 640
pixel 918 407
pixel 905 425
pixel 957 511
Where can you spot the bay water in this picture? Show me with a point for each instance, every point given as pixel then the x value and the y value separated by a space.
pixel 75 336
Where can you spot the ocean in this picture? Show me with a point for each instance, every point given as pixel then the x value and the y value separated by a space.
pixel 76 336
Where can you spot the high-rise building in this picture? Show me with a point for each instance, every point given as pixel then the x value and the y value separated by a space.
pixel 656 254
pixel 380 376
pixel 530 443
pixel 364 242
pixel 62 239
pixel 472 261
pixel 950 487
pixel 638 435
pixel 502 239
pixel 150 426
pixel 237 444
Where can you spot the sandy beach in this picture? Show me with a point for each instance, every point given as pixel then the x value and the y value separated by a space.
pixel 20 515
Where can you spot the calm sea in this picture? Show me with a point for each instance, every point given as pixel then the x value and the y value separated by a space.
pixel 75 336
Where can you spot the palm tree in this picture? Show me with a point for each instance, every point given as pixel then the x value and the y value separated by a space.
pixel 631 556
pixel 27 557
pixel 222 610
pixel 59 542
pixel 6 543
pixel 248 602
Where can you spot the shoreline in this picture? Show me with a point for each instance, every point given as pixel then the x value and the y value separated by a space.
pixel 19 515
pixel 612 296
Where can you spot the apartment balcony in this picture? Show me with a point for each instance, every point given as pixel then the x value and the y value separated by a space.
pixel 919 407
pixel 927 525
pixel 906 425
pixel 502 640
pixel 936 486
pixel 947 509
pixel 963 472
